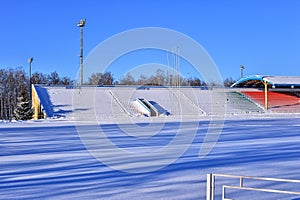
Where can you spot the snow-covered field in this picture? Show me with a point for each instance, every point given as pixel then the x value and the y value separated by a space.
pixel 47 159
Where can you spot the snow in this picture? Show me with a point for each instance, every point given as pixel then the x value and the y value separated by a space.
pixel 92 149
pixel 283 80
pixel 47 160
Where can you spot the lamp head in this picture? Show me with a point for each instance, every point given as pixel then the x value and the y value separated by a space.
pixel 81 23
pixel 30 60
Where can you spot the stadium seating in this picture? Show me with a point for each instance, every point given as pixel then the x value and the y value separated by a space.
pixel 101 103
pixel 209 101
pixel 277 102
pixel 167 98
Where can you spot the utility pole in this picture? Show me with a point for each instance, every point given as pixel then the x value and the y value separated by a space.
pixel 81 24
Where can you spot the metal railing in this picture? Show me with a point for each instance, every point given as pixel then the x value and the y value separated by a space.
pixel 210 187
pixel 153 110
pixel 119 103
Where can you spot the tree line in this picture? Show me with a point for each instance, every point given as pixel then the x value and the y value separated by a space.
pixel 51 79
pixel 12 83
pixel 15 90
pixel 160 78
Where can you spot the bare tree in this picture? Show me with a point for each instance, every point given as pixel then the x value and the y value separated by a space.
pixel 38 78
pixel 107 79
pixel 228 82
pixel 65 81
pixel 160 77
pixel 95 79
pixel 196 82
pixel 142 80
pixel 101 79
pixel 12 82
pixel 53 78
pixel 128 79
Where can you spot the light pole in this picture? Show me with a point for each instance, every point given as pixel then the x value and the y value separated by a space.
pixel 30 89
pixel 242 70
pixel 81 24
pixel 30 61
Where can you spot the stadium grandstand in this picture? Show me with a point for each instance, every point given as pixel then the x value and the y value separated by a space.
pixel 250 95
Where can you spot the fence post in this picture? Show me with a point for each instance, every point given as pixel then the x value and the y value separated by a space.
pixel 210 184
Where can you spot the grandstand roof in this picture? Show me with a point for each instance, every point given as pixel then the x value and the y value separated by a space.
pixel 275 81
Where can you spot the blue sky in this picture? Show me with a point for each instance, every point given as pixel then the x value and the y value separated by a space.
pixel 262 35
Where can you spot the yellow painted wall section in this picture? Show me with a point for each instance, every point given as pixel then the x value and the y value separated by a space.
pixel 36 105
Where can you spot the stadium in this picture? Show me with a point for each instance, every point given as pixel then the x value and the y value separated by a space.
pixel 131 100
pixel 212 154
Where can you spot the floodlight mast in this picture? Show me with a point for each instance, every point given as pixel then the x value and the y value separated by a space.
pixel 30 61
pixel 30 89
pixel 81 24
pixel 242 70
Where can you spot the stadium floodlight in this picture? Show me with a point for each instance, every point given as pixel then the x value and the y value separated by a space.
pixel 242 69
pixel 81 24
pixel 30 61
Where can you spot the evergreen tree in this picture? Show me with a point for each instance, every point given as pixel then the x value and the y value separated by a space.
pixel 23 111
